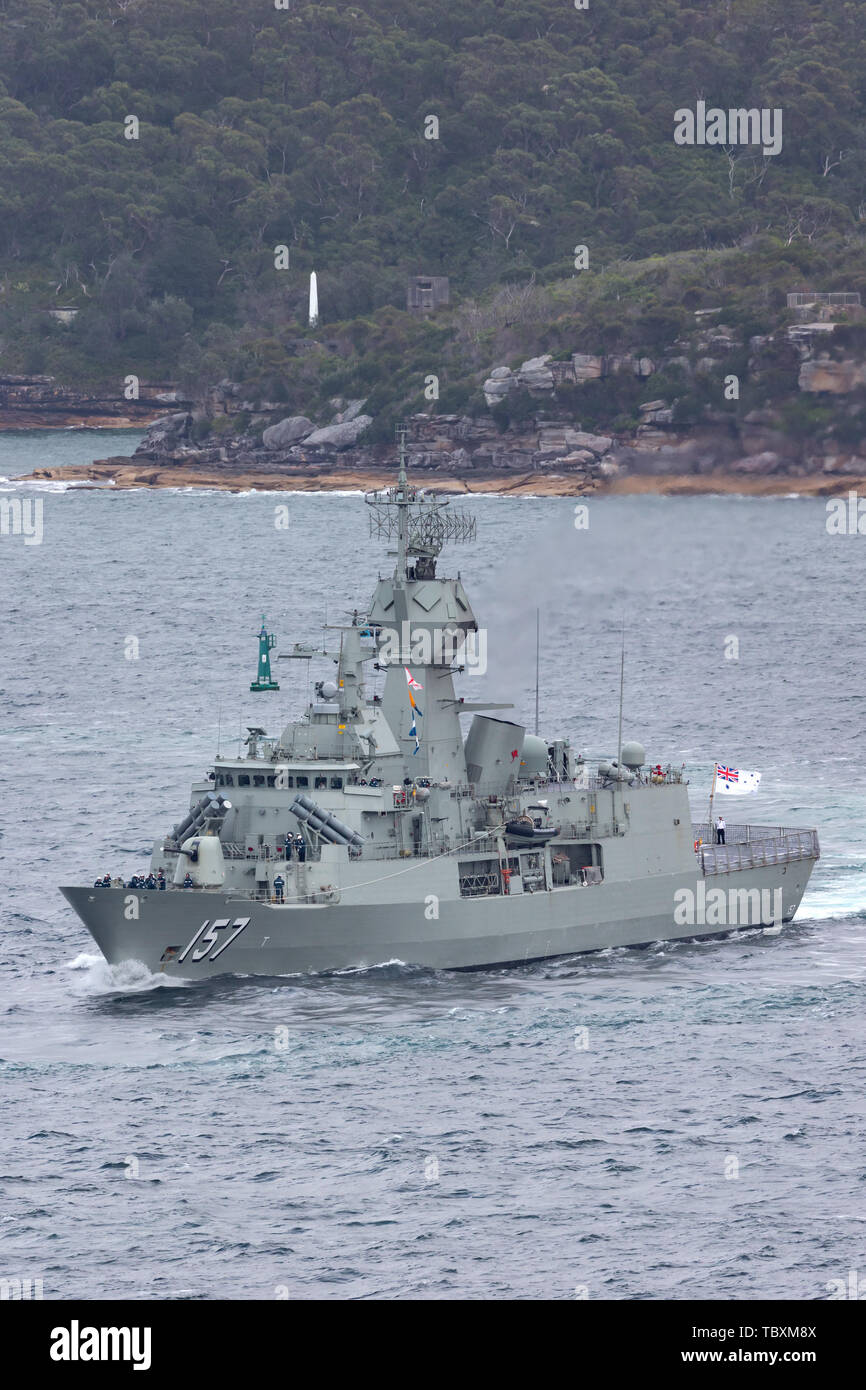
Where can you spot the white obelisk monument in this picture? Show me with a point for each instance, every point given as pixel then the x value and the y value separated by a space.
pixel 314 301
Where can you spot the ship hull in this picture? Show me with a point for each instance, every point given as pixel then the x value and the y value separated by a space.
pixel 165 931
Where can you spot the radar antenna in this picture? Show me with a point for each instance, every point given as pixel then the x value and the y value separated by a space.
pixel 419 523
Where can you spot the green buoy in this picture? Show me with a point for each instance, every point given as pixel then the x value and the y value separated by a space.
pixel 264 680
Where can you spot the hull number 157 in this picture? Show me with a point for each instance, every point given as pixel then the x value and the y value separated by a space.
pixel 207 939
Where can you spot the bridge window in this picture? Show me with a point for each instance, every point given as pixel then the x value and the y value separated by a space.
pixel 243 779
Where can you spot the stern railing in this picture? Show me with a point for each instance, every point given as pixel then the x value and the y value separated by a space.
pixel 753 846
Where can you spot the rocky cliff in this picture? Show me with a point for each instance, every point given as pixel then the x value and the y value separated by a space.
pixel 39 402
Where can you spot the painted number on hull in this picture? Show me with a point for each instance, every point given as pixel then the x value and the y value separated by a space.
pixel 207 936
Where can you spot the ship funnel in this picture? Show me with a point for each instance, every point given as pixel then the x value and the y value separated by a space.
pixel 533 756
pixel 493 748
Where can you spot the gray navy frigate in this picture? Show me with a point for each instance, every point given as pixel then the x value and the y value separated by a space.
pixel 375 830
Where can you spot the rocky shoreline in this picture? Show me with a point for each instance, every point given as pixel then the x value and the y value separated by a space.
pixel 527 439
pixel 122 474
pixel 464 454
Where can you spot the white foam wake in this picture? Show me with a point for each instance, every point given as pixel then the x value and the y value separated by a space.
pixel 96 976
pixel 845 898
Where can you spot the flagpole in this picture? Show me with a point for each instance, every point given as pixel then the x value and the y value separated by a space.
pixel 621 690
pixel 537 662
pixel 712 794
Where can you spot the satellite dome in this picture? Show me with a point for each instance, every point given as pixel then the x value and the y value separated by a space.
pixel 329 690
pixel 633 755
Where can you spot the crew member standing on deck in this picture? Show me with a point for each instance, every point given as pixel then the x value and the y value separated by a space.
pixel 720 830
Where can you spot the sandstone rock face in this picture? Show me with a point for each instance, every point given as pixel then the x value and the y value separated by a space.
pixel 822 374
pixel 166 435
pixel 587 367
pixel 562 439
pixel 639 366
pixel 595 443
pixel 498 384
pixel 535 374
pixel 36 400
pixel 649 437
pixel 578 459
pixel 759 464
pixel 836 464
pixel 287 432
pixel 349 410
pixel 339 436
pixel 170 424
pixel 655 413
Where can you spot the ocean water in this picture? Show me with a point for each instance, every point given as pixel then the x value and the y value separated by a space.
pixel 402 1133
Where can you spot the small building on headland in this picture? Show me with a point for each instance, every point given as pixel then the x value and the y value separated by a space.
pixel 427 293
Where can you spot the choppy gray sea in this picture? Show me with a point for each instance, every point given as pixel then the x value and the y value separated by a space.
pixel 426 1135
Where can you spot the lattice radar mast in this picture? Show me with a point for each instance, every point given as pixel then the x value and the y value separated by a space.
pixel 420 524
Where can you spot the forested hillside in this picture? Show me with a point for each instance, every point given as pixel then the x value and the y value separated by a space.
pixel 261 126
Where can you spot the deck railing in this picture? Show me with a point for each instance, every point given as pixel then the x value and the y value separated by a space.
pixel 753 846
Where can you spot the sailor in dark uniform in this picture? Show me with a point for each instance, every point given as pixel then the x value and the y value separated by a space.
pixel 301 847
pixel 279 887
pixel 160 880
pixel 188 883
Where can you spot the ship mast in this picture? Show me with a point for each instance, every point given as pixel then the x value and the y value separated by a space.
pixel 421 526
pixel 420 621
pixel 402 500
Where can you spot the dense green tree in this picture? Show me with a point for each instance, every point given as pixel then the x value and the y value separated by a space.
pixel 311 128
